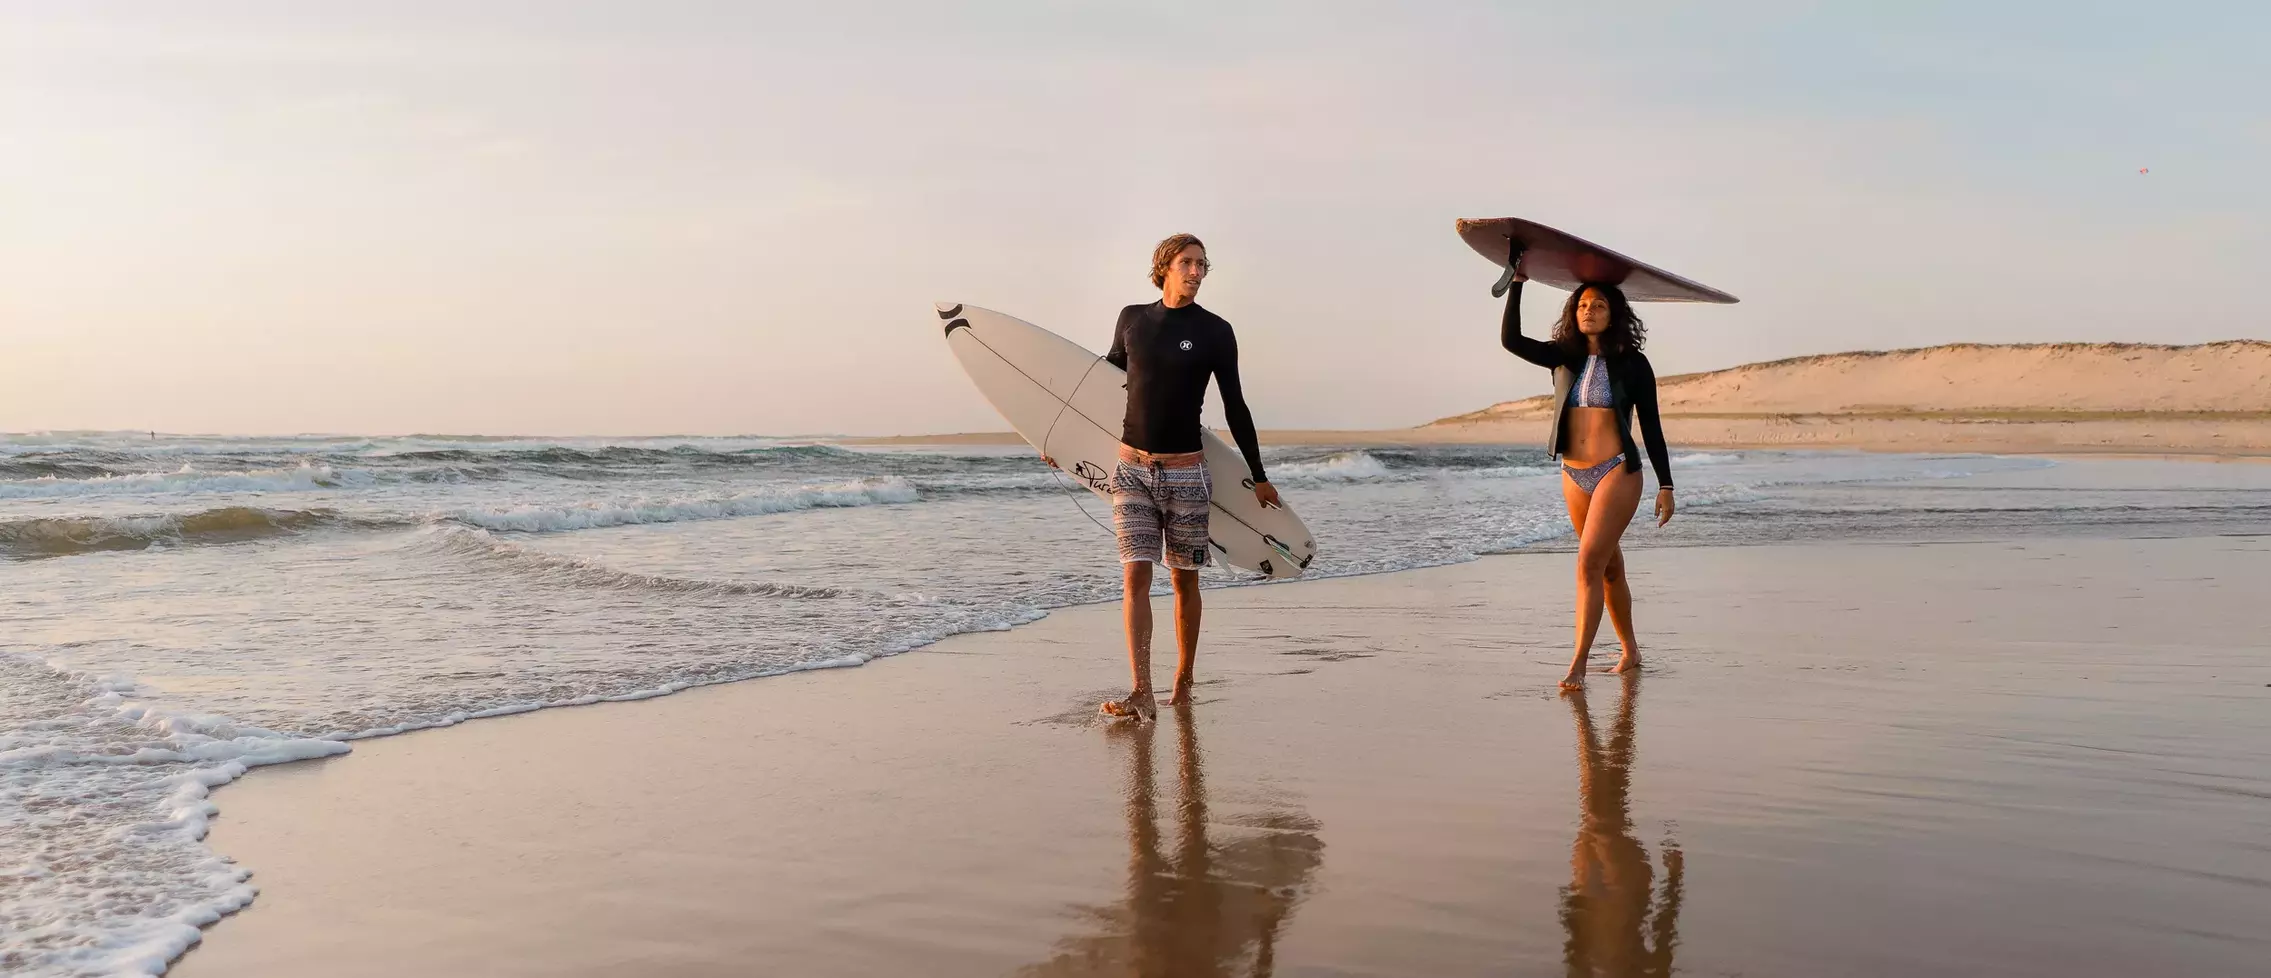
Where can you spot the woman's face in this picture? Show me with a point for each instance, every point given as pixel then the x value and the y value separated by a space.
pixel 1593 313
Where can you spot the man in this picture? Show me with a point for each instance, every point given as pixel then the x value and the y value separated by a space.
pixel 1160 488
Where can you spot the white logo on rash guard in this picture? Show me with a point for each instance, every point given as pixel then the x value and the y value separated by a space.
pixel 1186 345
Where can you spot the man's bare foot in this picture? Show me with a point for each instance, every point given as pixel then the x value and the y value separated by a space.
pixel 1576 677
pixel 1182 694
pixel 1139 705
pixel 1630 663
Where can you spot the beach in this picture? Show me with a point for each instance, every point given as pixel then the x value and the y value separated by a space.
pixel 2243 437
pixel 1995 758
pixel 698 705
pixel 600 489
pixel 2206 400
pixel 2209 400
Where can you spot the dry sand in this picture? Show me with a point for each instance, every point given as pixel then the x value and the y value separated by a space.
pixel 1978 380
pixel 2211 399
pixel 2059 768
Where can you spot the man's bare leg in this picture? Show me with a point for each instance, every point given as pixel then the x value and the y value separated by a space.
pixel 1187 607
pixel 1135 609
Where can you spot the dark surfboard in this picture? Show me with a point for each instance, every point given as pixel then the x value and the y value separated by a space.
pixel 1566 261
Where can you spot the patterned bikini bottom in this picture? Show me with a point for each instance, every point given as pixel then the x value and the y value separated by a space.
pixel 1589 478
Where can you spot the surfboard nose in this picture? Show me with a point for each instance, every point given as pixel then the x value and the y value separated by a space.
pixel 952 314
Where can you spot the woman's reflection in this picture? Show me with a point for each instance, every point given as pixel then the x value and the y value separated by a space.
pixel 1200 906
pixel 1618 923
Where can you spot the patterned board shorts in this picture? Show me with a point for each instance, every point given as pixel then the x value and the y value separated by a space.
pixel 1159 502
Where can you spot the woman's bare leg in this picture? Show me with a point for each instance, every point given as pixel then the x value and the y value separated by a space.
pixel 1620 613
pixel 1608 511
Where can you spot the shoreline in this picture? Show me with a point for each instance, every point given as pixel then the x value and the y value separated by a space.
pixel 979 816
pixel 2174 436
pixel 1554 580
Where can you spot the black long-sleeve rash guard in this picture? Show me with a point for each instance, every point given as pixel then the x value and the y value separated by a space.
pixel 1169 353
pixel 1632 384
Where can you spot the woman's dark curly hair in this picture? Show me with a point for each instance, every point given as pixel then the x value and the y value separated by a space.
pixel 1626 333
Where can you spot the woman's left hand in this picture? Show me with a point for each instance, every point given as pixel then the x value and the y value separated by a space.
pixel 1663 506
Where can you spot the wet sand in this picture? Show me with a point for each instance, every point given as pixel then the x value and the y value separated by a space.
pixel 2038 758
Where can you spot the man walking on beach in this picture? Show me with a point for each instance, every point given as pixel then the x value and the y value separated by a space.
pixel 1160 488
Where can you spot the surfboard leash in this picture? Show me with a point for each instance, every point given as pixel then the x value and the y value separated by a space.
pixel 1063 405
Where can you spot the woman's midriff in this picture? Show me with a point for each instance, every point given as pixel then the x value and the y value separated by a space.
pixel 1592 436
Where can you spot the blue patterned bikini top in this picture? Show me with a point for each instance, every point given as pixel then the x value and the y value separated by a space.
pixel 1592 388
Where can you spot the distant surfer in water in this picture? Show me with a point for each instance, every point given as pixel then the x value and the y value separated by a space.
pixel 1160 489
pixel 1600 379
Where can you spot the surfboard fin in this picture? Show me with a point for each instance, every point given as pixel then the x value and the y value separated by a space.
pixel 1514 251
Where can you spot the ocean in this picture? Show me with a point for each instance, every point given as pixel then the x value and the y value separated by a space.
pixel 181 609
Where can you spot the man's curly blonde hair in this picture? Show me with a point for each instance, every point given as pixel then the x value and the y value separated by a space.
pixel 1164 256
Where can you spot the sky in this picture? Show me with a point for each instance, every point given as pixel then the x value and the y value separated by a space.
pixel 568 217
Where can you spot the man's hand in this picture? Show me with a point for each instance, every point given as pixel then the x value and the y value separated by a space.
pixel 1663 506
pixel 1268 495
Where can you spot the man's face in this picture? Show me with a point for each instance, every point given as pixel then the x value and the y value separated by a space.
pixel 1188 269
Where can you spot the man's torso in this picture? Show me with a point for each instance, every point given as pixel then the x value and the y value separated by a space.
pixel 1171 353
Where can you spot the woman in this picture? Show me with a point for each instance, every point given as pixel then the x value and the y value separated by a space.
pixel 1600 379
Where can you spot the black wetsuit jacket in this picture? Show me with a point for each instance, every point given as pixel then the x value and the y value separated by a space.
pixel 1632 384
pixel 1169 354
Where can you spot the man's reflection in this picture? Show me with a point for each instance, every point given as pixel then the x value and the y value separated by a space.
pixel 1199 906
pixel 1618 923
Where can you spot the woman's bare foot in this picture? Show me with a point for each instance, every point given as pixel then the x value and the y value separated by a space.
pixel 1182 694
pixel 1629 663
pixel 1576 677
pixel 1138 705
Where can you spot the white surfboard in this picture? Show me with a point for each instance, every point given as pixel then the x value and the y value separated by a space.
pixel 1068 403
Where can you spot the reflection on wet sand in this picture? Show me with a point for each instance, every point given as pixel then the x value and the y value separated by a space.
pixel 1205 905
pixel 1618 924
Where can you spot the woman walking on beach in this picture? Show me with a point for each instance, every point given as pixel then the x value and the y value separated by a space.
pixel 1600 379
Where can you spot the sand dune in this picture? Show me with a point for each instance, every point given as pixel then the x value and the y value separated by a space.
pixel 2022 382
pixel 2211 398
